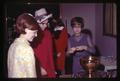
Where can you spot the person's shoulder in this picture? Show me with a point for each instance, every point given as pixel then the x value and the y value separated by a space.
pixel 47 32
pixel 71 37
pixel 23 49
pixel 65 28
pixel 85 35
pixel 19 44
pixel 47 35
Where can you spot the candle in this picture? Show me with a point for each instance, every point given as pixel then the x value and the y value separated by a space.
pixel 90 58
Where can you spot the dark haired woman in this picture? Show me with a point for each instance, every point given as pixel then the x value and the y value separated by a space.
pixel 79 44
pixel 60 38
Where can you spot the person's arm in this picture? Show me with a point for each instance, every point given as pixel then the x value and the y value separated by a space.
pixel 43 71
pixel 21 65
pixel 61 42
pixel 51 73
pixel 91 47
pixel 64 38
pixel 28 61
pixel 70 50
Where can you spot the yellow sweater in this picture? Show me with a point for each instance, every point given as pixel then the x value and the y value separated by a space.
pixel 21 60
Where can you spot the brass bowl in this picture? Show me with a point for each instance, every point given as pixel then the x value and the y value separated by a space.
pixel 90 63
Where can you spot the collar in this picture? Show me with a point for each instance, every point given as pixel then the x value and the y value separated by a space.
pixel 58 28
pixel 22 39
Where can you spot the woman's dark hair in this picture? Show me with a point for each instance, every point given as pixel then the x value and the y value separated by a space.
pixel 88 32
pixel 77 20
pixel 25 20
pixel 55 22
pixel 60 22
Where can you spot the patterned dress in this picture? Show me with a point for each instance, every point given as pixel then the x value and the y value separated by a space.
pixel 21 60
pixel 74 41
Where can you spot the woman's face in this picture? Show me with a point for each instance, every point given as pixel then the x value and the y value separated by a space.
pixel 30 34
pixel 77 28
pixel 43 25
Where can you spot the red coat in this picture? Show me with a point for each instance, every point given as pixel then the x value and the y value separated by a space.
pixel 61 45
pixel 44 53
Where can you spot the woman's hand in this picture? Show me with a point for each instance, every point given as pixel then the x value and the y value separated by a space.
pixel 80 48
pixel 72 50
pixel 43 71
pixel 59 54
pixel 77 48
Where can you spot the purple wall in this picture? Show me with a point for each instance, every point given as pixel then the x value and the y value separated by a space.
pixel 106 44
pixel 93 16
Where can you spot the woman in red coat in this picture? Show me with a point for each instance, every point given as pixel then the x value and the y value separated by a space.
pixel 44 49
pixel 60 37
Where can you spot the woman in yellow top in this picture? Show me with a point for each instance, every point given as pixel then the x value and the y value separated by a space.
pixel 21 60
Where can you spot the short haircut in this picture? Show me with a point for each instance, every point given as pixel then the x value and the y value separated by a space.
pixel 26 20
pixel 77 20
pixel 56 22
pixel 59 22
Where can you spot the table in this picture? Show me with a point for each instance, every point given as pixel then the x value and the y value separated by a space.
pixel 98 74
